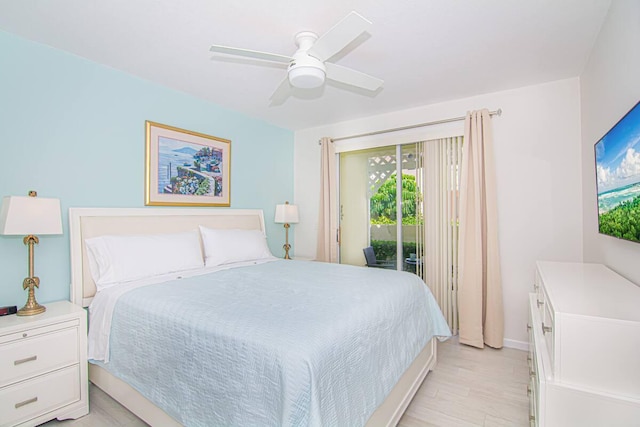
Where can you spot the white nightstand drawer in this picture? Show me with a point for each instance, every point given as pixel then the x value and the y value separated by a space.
pixel 35 331
pixel 35 355
pixel 30 399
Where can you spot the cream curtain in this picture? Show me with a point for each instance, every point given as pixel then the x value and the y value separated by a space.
pixel 438 177
pixel 327 250
pixel 480 289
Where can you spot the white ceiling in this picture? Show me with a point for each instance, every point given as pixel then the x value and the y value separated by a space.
pixel 426 51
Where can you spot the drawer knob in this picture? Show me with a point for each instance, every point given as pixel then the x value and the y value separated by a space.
pixel 528 390
pixel 546 329
pixel 25 360
pixel 24 335
pixel 26 402
pixel 528 327
pixel 540 303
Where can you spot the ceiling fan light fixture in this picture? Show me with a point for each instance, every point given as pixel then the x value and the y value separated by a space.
pixel 309 66
pixel 306 77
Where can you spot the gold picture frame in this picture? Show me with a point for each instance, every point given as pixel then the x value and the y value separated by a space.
pixel 185 168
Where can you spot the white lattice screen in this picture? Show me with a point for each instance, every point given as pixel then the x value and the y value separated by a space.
pixel 381 166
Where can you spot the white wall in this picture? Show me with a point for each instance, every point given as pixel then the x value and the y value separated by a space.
pixel 537 146
pixel 609 87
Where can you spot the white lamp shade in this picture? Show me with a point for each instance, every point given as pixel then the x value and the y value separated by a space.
pixel 30 215
pixel 286 214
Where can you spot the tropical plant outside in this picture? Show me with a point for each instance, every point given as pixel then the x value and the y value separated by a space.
pixel 383 202
pixel 383 212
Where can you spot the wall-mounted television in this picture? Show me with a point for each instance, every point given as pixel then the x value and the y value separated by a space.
pixel 617 156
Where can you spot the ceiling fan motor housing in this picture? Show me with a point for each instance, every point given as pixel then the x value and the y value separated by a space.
pixel 305 71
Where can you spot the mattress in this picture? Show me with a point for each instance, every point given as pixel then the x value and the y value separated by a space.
pixel 288 343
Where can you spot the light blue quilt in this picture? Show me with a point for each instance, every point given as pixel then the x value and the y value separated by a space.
pixel 286 343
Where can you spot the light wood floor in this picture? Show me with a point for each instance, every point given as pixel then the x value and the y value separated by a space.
pixel 468 387
pixel 472 387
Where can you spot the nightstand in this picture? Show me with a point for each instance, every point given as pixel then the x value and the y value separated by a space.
pixel 43 366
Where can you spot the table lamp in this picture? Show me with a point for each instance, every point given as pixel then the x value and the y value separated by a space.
pixel 286 214
pixel 28 216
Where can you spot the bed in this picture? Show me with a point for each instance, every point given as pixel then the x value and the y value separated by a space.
pixel 218 366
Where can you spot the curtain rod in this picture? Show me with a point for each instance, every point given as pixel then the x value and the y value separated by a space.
pixel 497 112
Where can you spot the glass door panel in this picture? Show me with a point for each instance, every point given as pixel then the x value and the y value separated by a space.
pixel 371 211
pixel 354 208
pixel 382 202
pixel 411 217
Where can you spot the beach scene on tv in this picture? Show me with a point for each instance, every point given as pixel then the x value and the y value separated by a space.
pixel 618 178
pixel 189 169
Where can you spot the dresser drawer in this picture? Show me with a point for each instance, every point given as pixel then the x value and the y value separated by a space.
pixel 533 399
pixel 37 354
pixel 544 314
pixel 30 399
pixel 536 365
pixel 548 330
pixel 541 299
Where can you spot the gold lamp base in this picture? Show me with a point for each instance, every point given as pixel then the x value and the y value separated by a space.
pixel 31 307
pixel 286 246
pixel 30 310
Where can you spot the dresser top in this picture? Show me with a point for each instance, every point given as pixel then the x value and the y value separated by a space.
pixel 590 290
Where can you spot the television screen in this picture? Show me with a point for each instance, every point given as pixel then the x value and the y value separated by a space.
pixel 618 178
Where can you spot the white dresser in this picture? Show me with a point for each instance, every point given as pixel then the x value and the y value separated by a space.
pixel 43 366
pixel 584 347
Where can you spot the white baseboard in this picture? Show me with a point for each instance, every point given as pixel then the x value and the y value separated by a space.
pixel 519 345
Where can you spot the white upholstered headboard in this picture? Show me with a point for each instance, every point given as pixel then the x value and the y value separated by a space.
pixel 92 222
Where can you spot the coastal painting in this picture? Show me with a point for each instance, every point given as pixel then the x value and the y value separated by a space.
pixel 185 167
pixel 618 178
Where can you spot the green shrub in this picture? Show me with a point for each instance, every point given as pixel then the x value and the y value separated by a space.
pixel 386 249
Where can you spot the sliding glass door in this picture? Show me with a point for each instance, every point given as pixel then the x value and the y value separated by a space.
pixel 402 200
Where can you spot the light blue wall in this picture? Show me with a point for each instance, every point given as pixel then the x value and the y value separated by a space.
pixel 75 130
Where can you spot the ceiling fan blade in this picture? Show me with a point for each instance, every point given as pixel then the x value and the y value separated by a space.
pixel 352 77
pixel 339 36
pixel 283 92
pixel 273 57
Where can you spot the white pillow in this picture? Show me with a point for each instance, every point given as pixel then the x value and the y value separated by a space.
pixel 227 246
pixel 117 259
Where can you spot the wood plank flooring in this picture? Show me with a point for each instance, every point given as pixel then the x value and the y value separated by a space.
pixel 468 388
pixel 472 387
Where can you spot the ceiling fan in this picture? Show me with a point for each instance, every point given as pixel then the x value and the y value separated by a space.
pixel 308 66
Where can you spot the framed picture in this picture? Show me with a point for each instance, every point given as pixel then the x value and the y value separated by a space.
pixel 185 168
